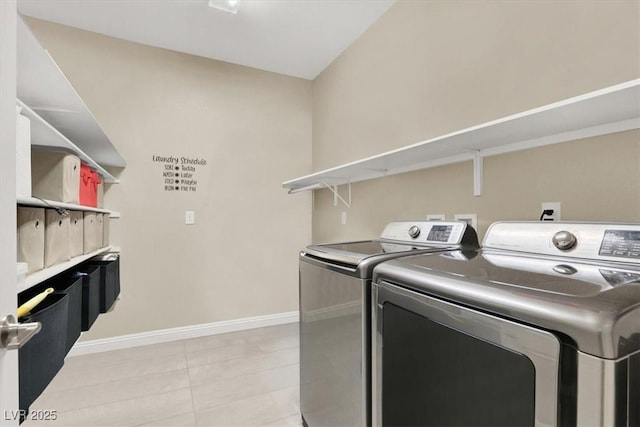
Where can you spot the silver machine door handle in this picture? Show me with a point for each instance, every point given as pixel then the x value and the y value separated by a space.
pixel 14 335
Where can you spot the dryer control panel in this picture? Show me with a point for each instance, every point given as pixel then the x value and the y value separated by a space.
pixel 598 241
pixel 621 243
pixel 425 232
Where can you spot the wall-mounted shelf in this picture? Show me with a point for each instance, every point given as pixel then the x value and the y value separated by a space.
pixel 610 110
pixel 43 87
pixel 40 276
pixel 41 203
pixel 45 135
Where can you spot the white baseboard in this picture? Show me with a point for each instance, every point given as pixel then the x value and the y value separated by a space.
pixel 186 332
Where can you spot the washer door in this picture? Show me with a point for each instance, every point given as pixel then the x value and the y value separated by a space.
pixel 437 364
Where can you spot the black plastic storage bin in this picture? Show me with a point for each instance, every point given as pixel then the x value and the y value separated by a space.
pixel 90 276
pixel 109 265
pixel 41 358
pixel 71 285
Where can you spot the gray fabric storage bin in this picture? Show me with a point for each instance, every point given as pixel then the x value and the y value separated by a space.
pixel 99 230
pixel 55 175
pixel 100 196
pixel 57 246
pixel 76 233
pixel 106 229
pixel 30 239
pixel 90 231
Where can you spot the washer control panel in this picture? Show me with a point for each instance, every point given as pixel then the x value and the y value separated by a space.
pixel 621 243
pixel 425 232
pixel 613 242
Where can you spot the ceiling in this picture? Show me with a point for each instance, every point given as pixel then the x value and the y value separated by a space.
pixel 298 38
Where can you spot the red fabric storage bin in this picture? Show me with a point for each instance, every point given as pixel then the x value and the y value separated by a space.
pixel 88 186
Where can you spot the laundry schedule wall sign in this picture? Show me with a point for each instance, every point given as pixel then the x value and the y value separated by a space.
pixel 179 173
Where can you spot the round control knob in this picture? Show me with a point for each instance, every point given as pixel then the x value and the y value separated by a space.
pixel 414 231
pixel 564 240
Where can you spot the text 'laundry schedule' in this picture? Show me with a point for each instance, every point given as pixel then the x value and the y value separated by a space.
pixel 179 173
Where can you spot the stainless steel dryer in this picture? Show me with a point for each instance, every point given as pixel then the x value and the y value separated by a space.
pixel 335 320
pixel 541 327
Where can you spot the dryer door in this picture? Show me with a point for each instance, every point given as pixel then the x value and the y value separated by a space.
pixel 436 363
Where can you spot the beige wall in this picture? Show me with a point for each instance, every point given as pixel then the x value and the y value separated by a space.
pixel 424 69
pixel 254 129
pixel 428 68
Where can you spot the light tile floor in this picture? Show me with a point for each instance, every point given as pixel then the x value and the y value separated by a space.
pixel 247 378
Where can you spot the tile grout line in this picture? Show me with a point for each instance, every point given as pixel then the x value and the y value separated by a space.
pixel 67 389
pixel 193 404
pixel 214 346
pixel 114 363
pixel 237 401
pixel 243 398
pixel 189 365
pixel 161 419
pixel 182 352
pixel 120 401
pixel 193 412
pixel 246 374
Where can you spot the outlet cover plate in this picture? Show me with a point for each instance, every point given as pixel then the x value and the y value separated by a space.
pixel 471 219
pixel 436 217
pixel 557 211
pixel 189 217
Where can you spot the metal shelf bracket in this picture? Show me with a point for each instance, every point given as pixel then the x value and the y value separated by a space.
pixel 334 189
pixel 336 194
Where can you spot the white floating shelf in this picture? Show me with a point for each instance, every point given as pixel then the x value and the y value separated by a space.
pixel 45 135
pixel 40 276
pixel 610 110
pixel 44 88
pixel 42 203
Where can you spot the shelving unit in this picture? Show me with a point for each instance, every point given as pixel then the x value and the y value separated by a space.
pixel 60 120
pixel 45 135
pixel 40 276
pixel 45 89
pixel 610 110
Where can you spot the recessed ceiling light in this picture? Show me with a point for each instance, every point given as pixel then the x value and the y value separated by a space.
pixel 230 6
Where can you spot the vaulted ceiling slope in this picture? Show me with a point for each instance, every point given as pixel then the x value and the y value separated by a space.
pixel 299 38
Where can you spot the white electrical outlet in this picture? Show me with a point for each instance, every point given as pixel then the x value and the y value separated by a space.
pixel 189 217
pixel 471 219
pixel 555 207
pixel 436 217
pixel 343 218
